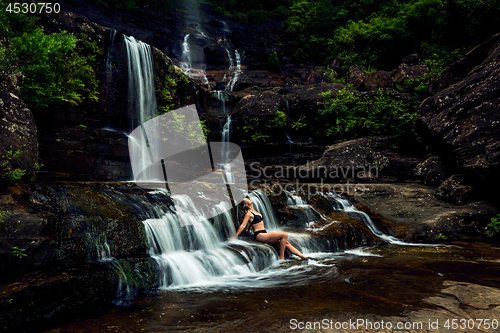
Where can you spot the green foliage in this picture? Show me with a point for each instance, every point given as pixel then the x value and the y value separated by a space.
pixel 132 6
pixel 381 33
pixel 9 174
pixel 273 61
pixel 14 175
pixel 247 11
pixel 57 72
pixel 164 93
pixel 2 216
pixel 299 124
pixel 441 238
pixel 178 127
pixel 493 228
pixel 263 132
pixel 17 252
pixel 352 114
pixel 280 118
pixel 56 75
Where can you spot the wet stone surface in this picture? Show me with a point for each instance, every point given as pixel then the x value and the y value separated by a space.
pixel 417 286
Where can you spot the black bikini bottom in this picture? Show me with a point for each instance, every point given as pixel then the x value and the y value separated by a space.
pixel 258 232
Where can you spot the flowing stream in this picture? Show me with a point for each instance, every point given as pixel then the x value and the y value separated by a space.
pixel 193 252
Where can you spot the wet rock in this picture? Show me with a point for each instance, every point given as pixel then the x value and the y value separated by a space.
pixel 454 190
pixel 424 217
pixel 412 59
pixel 470 295
pixel 66 248
pixel 258 111
pixel 465 66
pixel 406 72
pixel 378 80
pixel 307 99
pixel 433 171
pixel 338 232
pixel 384 79
pixel 364 160
pixel 19 149
pixel 460 123
pixel 356 76
pixel 315 77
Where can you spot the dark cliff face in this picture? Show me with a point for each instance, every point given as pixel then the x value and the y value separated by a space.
pixel 19 149
pixel 210 36
pixel 461 121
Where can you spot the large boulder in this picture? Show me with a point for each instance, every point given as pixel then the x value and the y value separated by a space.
pixel 255 116
pixel 307 99
pixel 19 148
pixel 460 123
pixel 463 67
pixel 362 160
pixel 433 171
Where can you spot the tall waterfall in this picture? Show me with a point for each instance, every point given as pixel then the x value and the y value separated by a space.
pixel 141 99
pixel 141 87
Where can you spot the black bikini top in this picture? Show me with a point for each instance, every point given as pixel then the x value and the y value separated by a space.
pixel 256 218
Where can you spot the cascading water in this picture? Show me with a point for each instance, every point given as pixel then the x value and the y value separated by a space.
pixel 186 64
pixel 191 251
pixel 235 70
pixel 141 87
pixel 309 212
pixel 141 94
pixel 348 207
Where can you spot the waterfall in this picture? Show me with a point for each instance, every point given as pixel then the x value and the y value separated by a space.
pixel 190 250
pixel 186 64
pixel 348 207
pixel 310 213
pixel 223 220
pixel 141 87
pixel 225 138
pixel 235 71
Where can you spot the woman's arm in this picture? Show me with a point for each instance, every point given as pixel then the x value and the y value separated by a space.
pixel 247 217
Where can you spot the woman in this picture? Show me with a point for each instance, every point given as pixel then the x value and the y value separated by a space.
pixel 260 234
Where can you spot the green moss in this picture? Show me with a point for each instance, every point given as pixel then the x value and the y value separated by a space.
pixel 99 204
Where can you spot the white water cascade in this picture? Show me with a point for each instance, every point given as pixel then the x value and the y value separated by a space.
pixel 190 251
pixel 235 70
pixel 310 213
pixel 141 87
pixel 225 139
pixel 141 97
pixel 187 62
pixel 348 207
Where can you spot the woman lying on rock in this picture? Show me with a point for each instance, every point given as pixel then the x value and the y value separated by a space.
pixel 260 234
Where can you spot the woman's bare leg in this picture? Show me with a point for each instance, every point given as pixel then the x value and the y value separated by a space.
pixel 281 238
pixel 293 250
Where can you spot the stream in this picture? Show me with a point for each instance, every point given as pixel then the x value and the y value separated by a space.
pixel 389 283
